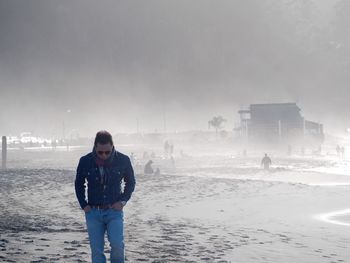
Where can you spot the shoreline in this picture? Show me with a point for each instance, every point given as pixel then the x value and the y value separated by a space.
pixel 339 217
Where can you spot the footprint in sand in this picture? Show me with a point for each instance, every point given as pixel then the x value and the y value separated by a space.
pixel 70 248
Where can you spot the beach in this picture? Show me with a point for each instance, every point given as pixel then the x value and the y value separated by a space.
pixel 205 209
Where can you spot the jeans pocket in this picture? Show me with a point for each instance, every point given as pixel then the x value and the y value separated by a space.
pixel 88 212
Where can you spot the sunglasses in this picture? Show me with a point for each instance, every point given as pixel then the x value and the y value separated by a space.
pixel 103 152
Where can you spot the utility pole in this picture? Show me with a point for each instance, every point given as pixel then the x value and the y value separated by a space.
pixel 4 151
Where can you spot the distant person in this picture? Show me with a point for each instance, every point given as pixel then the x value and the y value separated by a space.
pixel 171 149
pixel 104 169
pixel 342 151
pixel 148 168
pixel 338 150
pixel 302 150
pixel 54 145
pixel 266 162
pixel 166 148
pixel 157 172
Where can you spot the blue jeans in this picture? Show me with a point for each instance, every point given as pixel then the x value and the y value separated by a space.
pixel 100 221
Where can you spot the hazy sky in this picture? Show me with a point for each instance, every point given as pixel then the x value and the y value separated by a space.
pixel 112 63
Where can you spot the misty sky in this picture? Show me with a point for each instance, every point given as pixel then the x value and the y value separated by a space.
pixel 113 62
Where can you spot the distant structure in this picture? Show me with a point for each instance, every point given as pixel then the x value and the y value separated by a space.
pixel 278 122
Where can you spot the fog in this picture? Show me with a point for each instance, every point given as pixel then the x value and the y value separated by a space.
pixel 169 65
pixel 232 117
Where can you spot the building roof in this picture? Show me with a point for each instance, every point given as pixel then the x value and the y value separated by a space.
pixel 266 105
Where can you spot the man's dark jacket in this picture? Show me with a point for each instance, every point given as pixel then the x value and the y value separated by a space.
pixel 108 192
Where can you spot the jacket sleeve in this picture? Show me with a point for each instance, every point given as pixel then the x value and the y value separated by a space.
pixel 80 185
pixel 130 182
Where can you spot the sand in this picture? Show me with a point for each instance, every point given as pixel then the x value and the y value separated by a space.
pixel 205 209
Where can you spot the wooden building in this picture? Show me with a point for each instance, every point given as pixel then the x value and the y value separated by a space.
pixel 278 122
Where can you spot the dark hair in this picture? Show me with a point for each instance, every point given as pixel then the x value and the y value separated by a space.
pixel 103 137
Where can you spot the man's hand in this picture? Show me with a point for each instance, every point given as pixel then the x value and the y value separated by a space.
pixel 87 208
pixel 118 206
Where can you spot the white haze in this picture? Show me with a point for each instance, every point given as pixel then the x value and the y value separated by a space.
pixel 114 64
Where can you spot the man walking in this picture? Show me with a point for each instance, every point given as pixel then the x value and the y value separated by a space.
pixel 266 162
pixel 104 169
